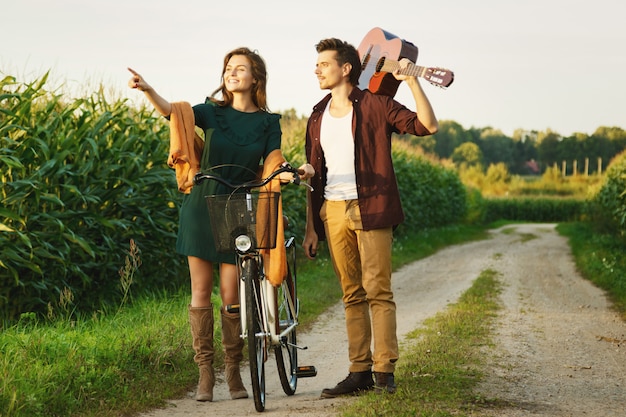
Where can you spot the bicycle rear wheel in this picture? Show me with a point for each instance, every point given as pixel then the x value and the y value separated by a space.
pixel 286 352
pixel 257 342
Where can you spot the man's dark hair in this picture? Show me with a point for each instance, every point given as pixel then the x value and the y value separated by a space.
pixel 346 53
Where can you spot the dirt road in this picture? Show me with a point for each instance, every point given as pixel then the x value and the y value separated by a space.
pixel 560 350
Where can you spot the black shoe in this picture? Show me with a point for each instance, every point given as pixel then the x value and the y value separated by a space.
pixel 384 382
pixel 354 384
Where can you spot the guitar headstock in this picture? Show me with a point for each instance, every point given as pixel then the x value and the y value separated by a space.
pixel 440 77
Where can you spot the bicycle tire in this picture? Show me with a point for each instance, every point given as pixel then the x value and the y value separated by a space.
pixel 286 352
pixel 256 341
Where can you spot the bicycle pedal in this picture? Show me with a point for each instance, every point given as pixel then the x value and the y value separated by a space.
pixel 306 371
pixel 232 308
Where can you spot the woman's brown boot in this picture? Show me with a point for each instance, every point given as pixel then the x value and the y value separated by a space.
pixel 201 323
pixel 233 355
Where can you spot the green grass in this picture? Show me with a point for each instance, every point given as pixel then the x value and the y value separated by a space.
pixel 120 362
pixel 442 361
pixel 100 365
pixel 599 257
pixel 135 358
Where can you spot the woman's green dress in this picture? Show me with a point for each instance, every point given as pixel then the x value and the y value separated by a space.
pixel 231 137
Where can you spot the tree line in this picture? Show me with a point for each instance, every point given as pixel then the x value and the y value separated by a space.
pixel 526 152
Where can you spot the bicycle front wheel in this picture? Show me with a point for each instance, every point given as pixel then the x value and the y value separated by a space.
pixel 257 342
pixel 286 352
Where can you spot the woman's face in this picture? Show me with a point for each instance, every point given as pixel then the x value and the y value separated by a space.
pixel 238 75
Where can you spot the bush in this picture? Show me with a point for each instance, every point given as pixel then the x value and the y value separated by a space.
pixel 432 196
pixel 610 201
pixel 475 206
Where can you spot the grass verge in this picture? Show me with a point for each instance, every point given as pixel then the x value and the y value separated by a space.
pixel 600 258
pixel 441 361
pixel 108 364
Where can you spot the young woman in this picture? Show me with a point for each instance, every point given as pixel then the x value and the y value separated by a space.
pixel 239 130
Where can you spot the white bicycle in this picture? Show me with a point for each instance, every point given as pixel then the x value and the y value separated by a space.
pixel 245 222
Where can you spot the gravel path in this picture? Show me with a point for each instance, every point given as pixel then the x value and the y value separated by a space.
pixel 560 350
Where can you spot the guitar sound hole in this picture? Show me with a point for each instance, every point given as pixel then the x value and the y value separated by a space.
pixel 380 64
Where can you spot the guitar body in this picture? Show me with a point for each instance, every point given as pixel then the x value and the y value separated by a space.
pixel 378 44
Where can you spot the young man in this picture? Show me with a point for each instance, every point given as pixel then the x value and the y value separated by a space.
pixel 355 204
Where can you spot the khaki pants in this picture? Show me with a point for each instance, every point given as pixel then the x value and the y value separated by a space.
pixel 362 262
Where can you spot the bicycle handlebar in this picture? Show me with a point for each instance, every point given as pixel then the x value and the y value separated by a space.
pixel 286 167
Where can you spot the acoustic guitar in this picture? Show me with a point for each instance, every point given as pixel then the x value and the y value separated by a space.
pixel 380 53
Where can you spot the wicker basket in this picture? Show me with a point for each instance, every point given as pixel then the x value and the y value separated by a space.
pixel 252 214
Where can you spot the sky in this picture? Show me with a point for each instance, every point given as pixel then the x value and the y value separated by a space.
pixel 518 64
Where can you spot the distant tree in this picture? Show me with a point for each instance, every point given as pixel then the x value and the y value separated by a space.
pixel 571 149
pixel 604 149
pixel 427 143
pixel 496 147
pixel 524 152
pixel 548 149
pixel 473 177
pixel 467 155
pixel 450 135
pixel 612 133
pixel 498 173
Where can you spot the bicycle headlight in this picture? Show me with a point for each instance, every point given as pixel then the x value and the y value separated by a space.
pixel 243 243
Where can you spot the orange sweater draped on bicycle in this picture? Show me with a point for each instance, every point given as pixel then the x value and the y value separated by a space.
pixel 275 260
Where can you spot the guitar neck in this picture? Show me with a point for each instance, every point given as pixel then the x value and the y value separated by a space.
pixel 439 77
pixel 411 69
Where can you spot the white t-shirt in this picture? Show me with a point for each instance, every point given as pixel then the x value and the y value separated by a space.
pixel 338 146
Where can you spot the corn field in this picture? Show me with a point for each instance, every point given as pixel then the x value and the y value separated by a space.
pixel 80 179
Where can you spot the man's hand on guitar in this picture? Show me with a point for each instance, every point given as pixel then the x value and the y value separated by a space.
pixel 402 64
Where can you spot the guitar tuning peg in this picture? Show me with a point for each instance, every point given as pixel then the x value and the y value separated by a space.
pixel 439 85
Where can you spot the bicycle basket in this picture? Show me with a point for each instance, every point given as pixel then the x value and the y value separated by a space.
pixel 254 214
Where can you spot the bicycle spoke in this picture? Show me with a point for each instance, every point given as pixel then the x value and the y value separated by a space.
pixel 287 353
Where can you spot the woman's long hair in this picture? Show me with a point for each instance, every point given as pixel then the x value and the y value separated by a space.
pixel 259 72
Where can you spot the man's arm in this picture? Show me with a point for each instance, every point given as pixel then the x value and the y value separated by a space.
pixel 425 112
pixel 310 236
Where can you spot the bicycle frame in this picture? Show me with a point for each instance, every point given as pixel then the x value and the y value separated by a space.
pixel 271 325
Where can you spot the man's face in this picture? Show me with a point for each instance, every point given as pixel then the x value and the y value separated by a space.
pixel 329 73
